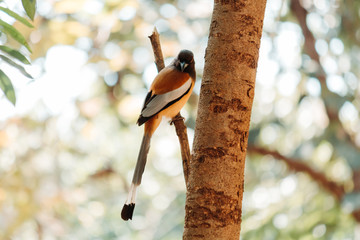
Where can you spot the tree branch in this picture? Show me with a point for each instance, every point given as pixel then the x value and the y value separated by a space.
pixel 178 120
pixel 297 165
pixel 337 190
pixel 155 43
pixel 309 46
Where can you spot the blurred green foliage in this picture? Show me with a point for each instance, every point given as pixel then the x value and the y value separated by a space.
pixel 68 148
pixel 7 29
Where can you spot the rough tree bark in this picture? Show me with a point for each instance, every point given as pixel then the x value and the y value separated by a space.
pixel 215 186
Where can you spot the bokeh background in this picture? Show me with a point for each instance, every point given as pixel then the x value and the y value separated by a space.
pixel 68 147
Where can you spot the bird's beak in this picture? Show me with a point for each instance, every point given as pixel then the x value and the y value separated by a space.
pixel 183 65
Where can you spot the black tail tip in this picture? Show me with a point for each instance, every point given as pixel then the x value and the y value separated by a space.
pixel 127 211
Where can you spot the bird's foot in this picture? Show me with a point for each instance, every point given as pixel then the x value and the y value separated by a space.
pixel 178 117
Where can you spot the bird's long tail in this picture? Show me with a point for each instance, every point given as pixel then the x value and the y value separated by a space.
pixel 128 209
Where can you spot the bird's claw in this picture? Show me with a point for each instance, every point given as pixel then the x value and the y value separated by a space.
pixel 176 118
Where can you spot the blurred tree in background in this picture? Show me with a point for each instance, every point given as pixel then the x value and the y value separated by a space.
pixel 68 148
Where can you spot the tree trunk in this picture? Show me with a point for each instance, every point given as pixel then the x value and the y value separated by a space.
pixel 216 180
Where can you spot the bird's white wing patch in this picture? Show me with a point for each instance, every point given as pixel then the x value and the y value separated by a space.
pixel 161 100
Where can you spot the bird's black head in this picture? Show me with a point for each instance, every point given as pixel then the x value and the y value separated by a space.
pixel 184 62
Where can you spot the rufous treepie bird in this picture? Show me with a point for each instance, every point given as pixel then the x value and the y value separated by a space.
pixel 168 93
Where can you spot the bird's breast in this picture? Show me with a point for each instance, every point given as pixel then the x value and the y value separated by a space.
pixel 168 80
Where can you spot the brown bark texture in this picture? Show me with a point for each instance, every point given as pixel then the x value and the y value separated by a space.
pixel 216 179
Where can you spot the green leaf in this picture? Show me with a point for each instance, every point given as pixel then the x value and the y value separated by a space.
pixel 19 67
pixel 16 16
pixel 29 6
pixel 14 53
pixel 7 87
pixel 8 29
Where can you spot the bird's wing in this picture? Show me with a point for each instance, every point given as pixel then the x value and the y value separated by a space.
pixel 156 103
